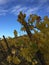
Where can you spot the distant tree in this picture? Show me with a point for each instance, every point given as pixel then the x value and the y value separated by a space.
pixel 15 33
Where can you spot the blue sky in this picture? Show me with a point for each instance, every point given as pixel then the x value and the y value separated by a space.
pixel 9 10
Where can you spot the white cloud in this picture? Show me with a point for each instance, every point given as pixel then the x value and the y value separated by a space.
pixel 32 10
pixel 16 10
pixel 26 9
pixel 3 2
pixel 3 12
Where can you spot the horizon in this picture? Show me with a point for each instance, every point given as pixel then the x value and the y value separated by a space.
pixel 9 10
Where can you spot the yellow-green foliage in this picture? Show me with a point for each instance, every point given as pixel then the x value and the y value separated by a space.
pixel 28 48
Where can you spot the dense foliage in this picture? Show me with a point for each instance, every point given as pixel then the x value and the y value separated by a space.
pixel 24 48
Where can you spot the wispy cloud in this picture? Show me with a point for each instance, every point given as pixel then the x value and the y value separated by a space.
pixel 27 10
pixel 3 6
pixel 26 6
pixel 3 12
pixel 2 2
pixel 17 9
pixel 32 10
